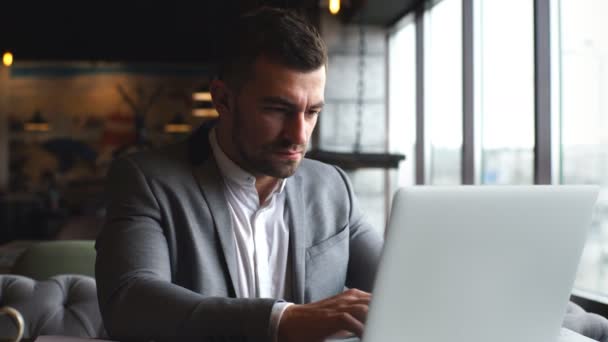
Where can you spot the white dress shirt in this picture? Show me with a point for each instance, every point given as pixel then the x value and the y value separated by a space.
pixel 261 235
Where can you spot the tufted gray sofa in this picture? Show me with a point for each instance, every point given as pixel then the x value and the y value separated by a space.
pixel 67 305
pixel 61 305
pixel 585 323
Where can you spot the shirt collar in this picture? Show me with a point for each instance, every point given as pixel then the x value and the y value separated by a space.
pixel 232 172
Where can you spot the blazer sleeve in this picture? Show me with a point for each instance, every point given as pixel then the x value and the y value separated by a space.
pixel 365 244
pixel 137 298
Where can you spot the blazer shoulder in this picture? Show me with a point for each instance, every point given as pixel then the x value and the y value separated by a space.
pixel 311 167
pixel 314 172
pixel 156 161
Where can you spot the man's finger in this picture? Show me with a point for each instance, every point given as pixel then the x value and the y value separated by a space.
pixel 347 301
pixel 355 293
pixel 342 334
pixel 358 311
pixel 345 321
pixel 351 294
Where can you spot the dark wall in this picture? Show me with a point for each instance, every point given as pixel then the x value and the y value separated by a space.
pixel 131 31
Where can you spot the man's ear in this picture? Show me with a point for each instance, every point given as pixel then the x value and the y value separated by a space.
pixel 220 95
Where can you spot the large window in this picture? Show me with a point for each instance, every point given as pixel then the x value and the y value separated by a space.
pixel 584 122
pixel 443 91
pixel 505 90
pixel 402 97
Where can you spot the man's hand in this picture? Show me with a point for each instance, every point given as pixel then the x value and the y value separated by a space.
pixel 336 316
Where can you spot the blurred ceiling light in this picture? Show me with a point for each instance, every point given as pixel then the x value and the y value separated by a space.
pixel 205 112
pixel 7 59
pixel 334 6
pixel 36 127
pixel 201 96
pixel 37 124
pixel 203 104
pixel 178 125
pixel 177 128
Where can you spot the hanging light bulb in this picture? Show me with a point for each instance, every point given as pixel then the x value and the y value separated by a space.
pixel 7 59
pixel 334 6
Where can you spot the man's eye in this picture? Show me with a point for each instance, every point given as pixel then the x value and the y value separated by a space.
pixel 312 113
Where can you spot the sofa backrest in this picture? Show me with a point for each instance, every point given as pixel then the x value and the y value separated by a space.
pixel 49 258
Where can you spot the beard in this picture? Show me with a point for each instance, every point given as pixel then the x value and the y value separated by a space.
pixel 261 162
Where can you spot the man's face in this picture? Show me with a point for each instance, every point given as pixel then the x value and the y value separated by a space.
pixel 273 116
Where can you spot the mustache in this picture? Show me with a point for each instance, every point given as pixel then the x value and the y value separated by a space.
pixel 286 145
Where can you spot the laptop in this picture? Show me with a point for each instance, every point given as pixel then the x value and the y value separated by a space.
pixel 480 264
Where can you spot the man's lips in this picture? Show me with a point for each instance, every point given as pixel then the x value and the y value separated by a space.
pixel 289 154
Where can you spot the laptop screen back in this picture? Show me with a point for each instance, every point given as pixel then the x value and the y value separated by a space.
pixel 479 263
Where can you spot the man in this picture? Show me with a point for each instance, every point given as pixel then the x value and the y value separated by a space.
pixel 215 238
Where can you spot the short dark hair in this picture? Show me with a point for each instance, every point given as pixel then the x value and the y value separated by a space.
pixel 281 35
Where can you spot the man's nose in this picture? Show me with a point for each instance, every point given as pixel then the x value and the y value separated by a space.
pixel 296 129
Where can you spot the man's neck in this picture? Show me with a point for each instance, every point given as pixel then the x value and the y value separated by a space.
pixel 263 184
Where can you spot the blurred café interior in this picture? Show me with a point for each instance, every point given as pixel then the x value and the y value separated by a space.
pixel 82 84
pixel 418 92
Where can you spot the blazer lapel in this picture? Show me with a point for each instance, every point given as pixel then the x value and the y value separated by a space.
pixel 297 234
pixel 211 184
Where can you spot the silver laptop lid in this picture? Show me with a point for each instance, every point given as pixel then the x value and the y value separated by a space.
pixel 479 263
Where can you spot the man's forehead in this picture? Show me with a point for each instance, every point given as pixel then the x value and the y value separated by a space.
pixel 265 68
pixel 271 78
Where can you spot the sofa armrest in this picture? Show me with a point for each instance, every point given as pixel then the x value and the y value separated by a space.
pixel 585 323
pixel 61 305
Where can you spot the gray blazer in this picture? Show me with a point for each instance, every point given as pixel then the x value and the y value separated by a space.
pixel 166 259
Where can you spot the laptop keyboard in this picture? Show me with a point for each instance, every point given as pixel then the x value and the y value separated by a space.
pixel 565 335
